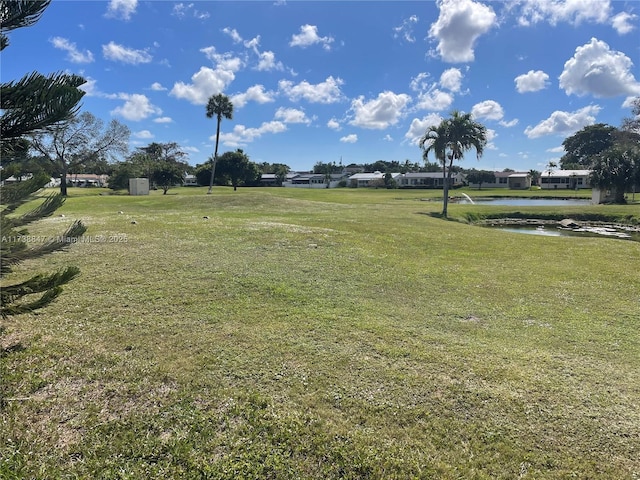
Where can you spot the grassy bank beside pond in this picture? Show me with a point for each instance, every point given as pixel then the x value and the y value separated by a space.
pixel 323 334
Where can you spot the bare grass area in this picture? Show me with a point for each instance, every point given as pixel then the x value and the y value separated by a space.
pixel 324 334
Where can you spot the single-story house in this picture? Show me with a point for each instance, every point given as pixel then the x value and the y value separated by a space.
pixel 519 181
pixel 369 179
pixel 86 180
pixel 564 179
pixel 313 180
pixel 190 180
pixel 269 180
pixel 426 179
pixel 512 180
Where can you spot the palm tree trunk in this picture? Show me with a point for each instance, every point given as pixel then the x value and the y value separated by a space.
pixel 445 189
pixel 215 155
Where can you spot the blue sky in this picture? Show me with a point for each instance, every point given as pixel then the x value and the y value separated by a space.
pixel 358 81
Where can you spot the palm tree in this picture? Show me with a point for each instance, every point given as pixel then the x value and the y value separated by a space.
pixel 219 106
pixel 551 166
pixel 449 141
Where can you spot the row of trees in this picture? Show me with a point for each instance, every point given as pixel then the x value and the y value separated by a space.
pixel 611 153
pixel 164 164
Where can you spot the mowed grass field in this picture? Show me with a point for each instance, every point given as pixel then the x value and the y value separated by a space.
pixel 323 334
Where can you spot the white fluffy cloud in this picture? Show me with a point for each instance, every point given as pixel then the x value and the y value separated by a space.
pixel 564 123
pixel 532 81
pixel 333 124
pixel 435 100
pixel 267 62
pixel 255 93
pixel 204 83
pixel 73 54
pixel 119 53
pixel 292 115
pixel 136 107
pixel 233 33
pixel 597 70
pixel 622 22
pixel 352 138
pixel 122 9
pixel 143 134
pixel 430 97
pixel 380 112
pixel 241 135
pixel 209 81
pixel 163 120
pixel 324 92
pixel 309 36
pixel 419 126
pixel 570 11
pixel 451 79
pixel 157 87
pixel 459 25
pixel 489 109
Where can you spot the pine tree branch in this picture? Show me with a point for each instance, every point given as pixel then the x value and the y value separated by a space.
pixel 19 13
pixel 51 285
pixel 37 101
pixel 45 209
pixel 13 257
pixel 14 195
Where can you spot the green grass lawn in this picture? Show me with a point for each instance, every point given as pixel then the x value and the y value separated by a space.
pixel 324 334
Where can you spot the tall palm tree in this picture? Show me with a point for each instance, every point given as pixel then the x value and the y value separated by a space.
pixel 449 141
pixel 551 166
pixel 219 106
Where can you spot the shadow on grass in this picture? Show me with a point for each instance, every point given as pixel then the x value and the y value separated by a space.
pixel 438 215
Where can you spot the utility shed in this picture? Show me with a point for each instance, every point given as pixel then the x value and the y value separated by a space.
pixel 138 186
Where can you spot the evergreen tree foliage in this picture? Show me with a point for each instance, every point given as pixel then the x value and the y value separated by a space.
pixel 29 105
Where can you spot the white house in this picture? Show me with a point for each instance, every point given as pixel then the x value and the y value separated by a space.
pixel 564 179
pixel 190 180
pixel 370 179
pixel 313 180
pixel 426 179
pixel 512 180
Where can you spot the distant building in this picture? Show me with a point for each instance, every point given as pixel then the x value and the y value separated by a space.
pixel 313 180
pixel 190 180
pixel 512 180
pixel 86 180
pixel 565 179
pixel 427 180
pixel 369 179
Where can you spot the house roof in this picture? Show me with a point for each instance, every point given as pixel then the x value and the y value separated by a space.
pixel 86 176
pixel 566 173
pixel 508 174
pixel 423 175
pixel 371 176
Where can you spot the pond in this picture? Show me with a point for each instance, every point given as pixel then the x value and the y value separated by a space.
pixel 606 231
pixel 527 202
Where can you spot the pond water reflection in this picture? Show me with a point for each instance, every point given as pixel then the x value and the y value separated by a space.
pixel 528 202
